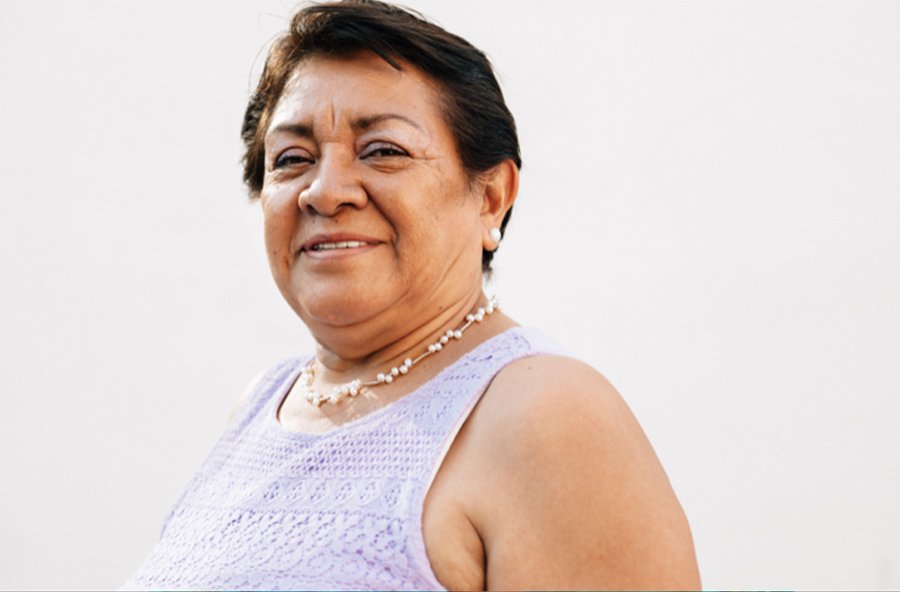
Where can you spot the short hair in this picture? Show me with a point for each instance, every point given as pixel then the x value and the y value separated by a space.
pixel 472 103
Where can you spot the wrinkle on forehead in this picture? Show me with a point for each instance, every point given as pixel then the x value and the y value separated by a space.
pixel 363 64
pixel 334 122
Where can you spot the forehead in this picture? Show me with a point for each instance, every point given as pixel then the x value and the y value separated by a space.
pixel 357 86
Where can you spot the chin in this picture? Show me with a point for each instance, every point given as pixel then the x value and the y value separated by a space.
pixel 338 305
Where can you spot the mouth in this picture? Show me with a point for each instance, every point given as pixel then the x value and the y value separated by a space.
pixel 337 245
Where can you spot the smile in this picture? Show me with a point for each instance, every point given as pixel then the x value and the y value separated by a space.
pixel 339 245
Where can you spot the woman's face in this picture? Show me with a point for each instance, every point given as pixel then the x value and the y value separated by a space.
pixel 368 214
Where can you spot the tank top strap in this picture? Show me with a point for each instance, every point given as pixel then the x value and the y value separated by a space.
pixel 270 382
pixel 457 391
pixel 480 368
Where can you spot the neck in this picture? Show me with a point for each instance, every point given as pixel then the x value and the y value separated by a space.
pixel 336 366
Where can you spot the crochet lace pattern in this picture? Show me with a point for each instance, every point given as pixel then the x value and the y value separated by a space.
pixel 275 509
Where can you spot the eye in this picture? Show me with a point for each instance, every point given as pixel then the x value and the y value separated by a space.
pixel 382 150
pixel 292 157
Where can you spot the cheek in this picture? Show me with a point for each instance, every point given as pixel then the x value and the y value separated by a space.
pixel 278 219
pixel 437 234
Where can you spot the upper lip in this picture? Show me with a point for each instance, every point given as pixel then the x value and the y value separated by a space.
pixel 337 237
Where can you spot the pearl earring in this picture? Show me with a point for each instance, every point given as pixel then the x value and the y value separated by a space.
pixel 496 234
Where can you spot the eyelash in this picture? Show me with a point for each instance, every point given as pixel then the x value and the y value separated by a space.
pixel 384 147
pixel 379 150
pixel 284 159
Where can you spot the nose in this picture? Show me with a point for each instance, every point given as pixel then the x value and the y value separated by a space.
pixel 335 185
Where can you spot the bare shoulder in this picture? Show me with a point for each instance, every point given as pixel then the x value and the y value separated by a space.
pixel 556 401
pixel 550 381
pixel 577 497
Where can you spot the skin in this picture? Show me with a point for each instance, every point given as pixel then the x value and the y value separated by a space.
pixel 551 483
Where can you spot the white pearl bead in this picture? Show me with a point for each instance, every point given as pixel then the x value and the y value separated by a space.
pixel 353 388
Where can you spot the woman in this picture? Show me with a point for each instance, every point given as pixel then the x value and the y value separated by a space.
pixel 431 442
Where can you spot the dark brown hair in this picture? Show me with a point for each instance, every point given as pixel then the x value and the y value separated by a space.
pixel 473 104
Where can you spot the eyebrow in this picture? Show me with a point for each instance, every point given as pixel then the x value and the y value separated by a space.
pixel 357 125
pixel 365 123
pixel 295 129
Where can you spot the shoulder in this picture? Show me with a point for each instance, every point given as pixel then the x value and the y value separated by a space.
pixel 272 375
pixel 558 414
pixel 549 395
pixel 578 496
pixel 245 394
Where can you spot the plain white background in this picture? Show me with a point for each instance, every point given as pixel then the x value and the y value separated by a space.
pixel 709 215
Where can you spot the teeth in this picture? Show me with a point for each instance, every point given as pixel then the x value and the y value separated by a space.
pixel 340 245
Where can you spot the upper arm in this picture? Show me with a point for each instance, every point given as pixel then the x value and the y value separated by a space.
pixel 575 497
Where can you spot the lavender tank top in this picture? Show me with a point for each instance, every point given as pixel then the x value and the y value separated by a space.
pixel 275 509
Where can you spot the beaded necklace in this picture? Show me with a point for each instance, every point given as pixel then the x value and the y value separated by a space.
pixel 353 388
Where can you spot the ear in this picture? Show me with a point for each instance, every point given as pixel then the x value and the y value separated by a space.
pixel 498 194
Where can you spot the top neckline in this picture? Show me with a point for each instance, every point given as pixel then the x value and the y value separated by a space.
pixel 284 389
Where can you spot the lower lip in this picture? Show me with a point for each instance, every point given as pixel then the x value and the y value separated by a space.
pixel 337 254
